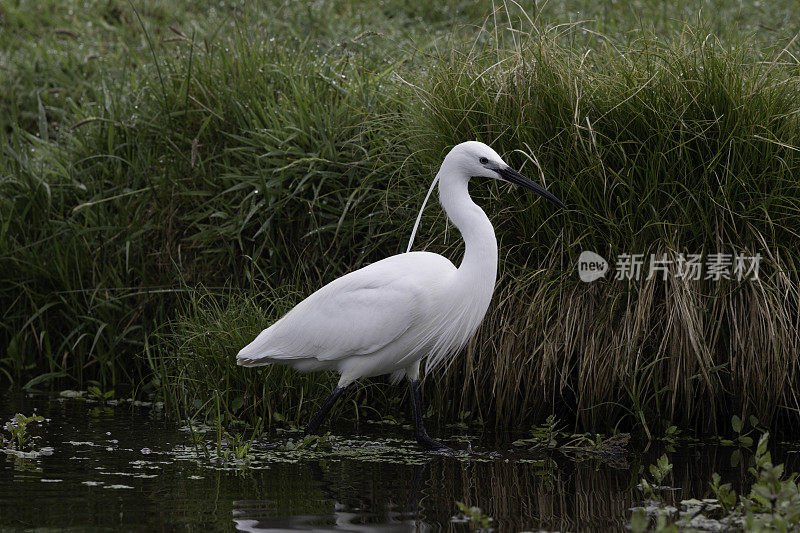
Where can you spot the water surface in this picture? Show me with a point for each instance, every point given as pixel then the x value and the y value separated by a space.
pixel 128 467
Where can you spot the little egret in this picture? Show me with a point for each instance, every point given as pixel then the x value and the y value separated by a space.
pixel 386 317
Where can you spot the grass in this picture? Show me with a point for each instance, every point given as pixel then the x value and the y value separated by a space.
pixel 671 147
pixel 174 178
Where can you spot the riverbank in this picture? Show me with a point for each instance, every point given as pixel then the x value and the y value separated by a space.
pixel 175 179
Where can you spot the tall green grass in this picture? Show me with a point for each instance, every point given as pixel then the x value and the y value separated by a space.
pixel 205 170
pixel 680 146
pixel 186 157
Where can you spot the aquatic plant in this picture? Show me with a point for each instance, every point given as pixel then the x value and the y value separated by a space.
pixel 661 469
pixel 16 432
pixel 774 499
pixel 544 435
pixel 640 523
pixel 239 444
pixel 671 434
pixel 725 495
pixel 651 487
pixel 99 395
pixel 475 516
pixel 772 503
pixel 742 431
pixel 609 450
pixel 310 442
pixel 227 444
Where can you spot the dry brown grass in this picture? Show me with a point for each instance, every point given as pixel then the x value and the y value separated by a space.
pixel 690 352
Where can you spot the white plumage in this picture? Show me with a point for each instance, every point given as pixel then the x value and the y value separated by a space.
pixel 365 323
pixel 386 317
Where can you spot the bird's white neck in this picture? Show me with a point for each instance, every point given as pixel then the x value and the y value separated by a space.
pixel 478 269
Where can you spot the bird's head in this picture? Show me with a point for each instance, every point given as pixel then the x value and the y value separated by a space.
pixel 475 159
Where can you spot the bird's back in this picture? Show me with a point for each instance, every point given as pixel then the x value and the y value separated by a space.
pixel 359 314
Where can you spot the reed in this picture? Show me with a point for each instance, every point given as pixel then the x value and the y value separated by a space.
pixel 684 146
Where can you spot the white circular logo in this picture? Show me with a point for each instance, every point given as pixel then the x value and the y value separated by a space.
pixel 591 266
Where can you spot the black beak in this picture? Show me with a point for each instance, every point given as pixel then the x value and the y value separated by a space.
pixel 512 176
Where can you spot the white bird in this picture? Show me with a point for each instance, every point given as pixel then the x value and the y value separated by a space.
pixel 386 317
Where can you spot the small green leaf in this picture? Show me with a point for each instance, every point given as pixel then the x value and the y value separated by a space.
pixel 762 493
pixel 762 445
pixel 736 422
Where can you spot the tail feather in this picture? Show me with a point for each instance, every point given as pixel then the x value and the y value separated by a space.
pixel 268 348
pixel 305 364
pixel 247 361
pixel 257 353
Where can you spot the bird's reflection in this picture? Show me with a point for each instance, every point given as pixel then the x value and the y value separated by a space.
pixel 255 516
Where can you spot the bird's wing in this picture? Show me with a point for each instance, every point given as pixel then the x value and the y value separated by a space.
pixel 357 314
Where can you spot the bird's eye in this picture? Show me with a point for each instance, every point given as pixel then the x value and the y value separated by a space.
pixel 483 160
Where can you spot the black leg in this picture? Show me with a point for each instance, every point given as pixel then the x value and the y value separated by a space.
pixel 412 505
pixel 316 420
pixel 419 429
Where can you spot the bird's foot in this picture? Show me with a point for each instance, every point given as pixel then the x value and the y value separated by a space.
pixel 431 445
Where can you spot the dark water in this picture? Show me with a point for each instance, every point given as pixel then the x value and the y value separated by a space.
pixel 127 468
